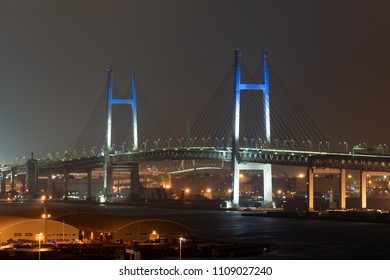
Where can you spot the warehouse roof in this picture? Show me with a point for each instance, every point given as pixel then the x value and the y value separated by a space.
pixel 7 221
pixel 106 222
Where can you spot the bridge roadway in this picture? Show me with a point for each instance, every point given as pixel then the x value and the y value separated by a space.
pixel 315 162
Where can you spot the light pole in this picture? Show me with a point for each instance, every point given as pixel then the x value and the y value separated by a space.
pixel 145 143
pixel 169 142
pixel 39 245
pixel 45 216
pixel 284 144
pixel 346 146
pixel 180 140
pixel 277 143
pixel 260 143
pixel 180 242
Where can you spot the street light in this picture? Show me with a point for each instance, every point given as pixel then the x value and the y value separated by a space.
pixel 284 144
pixel 260 143
pixel 169 142
pixel 277 143
pixel 180 241
pixel 145 143
pixel 39 245
pixel 293 144
pixel 45 216
pixel 308 141
pixel 346 146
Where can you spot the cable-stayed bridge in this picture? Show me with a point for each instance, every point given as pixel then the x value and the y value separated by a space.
pixel 250 123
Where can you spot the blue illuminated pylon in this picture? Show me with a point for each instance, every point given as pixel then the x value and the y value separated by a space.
pixel 267 126
pixel 110 102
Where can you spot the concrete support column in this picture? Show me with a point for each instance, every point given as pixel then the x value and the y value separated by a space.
pixel 89 184
pixel 3 184
pixel 363 189
pixel 32 176
pixel 342 189
pixel 110 180
pixel 267 179
pixel 49 186
pixel 170 185
pixel 12 180
pixel 310 189
pixel 66 183
pixel 236 183
pixel 267 175
pixel 23 183
pixel 136 189
pixel 170 180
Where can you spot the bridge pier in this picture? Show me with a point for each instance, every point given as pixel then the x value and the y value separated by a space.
pixel 32 176
pixel 267 180
pixel 66 184
pixel 136 190
pixel 363 185
pixel 23 184
pixel 89 184
pixel 12 180
pixel 310 189
pixel 363 189
pixel 310 185
pixel 3 184
pixel 109 180
pixel 49 187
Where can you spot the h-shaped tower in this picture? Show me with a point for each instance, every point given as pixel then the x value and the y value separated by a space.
pixel 267 170
pixel 110 102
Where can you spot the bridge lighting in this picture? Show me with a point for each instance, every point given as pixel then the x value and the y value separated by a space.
pixel 156 142
pixel 301 175
pixel 346 146
pixel 145 143
pixel 169 142
pixel 180 141
pixel 252 143
pixel 384 145
pixel 260 143
pixel 308 141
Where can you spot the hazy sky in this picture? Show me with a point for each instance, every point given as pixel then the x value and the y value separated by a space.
pixel 333 55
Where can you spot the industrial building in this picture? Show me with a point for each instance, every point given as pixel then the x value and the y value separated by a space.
pixel 108 228
pixel 19 229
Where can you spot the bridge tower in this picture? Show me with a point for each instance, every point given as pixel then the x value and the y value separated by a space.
pixel 267 170
pixel 110 102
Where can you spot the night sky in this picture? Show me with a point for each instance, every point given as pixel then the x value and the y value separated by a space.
pixel 333 55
